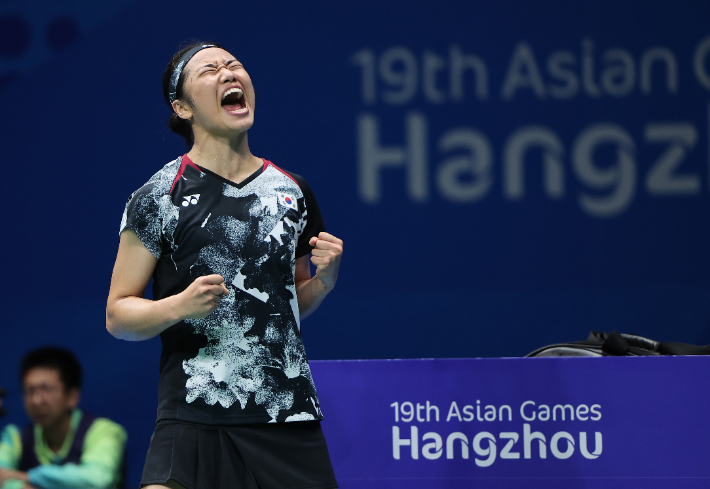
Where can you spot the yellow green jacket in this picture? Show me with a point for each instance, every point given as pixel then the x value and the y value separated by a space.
pixel 101 462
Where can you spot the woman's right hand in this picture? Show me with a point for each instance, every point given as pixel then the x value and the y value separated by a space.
pixel 129 316
pixel 202 296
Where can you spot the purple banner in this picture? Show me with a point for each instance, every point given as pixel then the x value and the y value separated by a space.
pixel 517 422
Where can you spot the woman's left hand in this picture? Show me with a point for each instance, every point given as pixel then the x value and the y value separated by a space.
pixel 326 254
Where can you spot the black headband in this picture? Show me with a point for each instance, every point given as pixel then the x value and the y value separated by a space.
pixel 175 77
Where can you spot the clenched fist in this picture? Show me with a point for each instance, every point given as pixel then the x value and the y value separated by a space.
pixel 202 296
pixel 326 254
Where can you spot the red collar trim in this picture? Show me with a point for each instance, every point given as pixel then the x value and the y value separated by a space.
pixel 267 163
pixel 185 162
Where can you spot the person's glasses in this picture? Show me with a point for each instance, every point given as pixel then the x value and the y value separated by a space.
pixel 43 390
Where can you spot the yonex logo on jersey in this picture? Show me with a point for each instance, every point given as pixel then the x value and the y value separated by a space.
pixel 287 200
pixel 190 199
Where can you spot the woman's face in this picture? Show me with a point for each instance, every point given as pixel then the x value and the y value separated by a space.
pixel 219 92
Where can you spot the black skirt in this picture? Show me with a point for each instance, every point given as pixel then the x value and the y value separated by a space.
pixel 290 455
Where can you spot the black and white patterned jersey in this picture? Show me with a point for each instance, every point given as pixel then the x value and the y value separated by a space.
pixel 245 362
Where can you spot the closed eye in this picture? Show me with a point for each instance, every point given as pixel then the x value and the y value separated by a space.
pixel 208 68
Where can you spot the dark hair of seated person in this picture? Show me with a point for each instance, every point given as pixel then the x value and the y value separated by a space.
pixel 57 358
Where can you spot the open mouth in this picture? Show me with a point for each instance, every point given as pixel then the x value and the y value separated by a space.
pixel 233 100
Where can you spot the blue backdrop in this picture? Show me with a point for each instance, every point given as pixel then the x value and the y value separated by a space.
pixel 504 175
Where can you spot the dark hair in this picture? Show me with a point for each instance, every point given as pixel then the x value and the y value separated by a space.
pixel 176 124
pixel 57 358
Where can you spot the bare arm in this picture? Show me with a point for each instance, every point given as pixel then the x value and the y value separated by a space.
pixel 326 257
pixel 131 317
pixel 10 474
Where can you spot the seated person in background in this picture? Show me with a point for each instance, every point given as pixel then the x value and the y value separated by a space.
pixel 63 447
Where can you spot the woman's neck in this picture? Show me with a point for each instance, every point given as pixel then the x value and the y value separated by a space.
pixel 228 158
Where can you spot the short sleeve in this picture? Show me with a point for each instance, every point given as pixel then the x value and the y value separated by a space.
pixel 314 219
pixel 142 216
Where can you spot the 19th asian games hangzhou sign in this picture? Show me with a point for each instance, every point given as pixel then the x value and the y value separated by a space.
pixel 631 422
